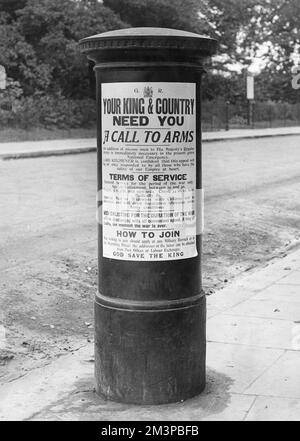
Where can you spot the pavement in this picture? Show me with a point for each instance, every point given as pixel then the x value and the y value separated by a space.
pixel 48 261
pixel 253 363
pixel 25 149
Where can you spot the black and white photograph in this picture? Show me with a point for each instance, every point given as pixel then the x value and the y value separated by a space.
pixel 149 213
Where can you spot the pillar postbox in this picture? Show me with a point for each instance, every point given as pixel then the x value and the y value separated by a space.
pixel 150 310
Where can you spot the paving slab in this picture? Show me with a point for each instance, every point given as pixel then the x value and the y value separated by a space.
pixel 274 409
pixel 279 292
pixel 64 390
pixel 228 297
pixel 214 404
pixel 239 363
pixel 258 280
pixel 29 394
pixel 13 150
pixel 251 133
pixel 200 409
pixel 291 279
pixel 280 380
pixel 253 364
pixel 273 309
pixel 251 331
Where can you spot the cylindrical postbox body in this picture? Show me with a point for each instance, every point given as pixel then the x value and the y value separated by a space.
pixel 150 309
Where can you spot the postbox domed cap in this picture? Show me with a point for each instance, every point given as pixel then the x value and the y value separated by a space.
pixel 150 38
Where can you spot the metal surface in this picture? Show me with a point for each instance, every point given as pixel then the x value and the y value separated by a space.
pixel 149 315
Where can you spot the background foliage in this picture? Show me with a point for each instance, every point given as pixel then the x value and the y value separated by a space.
pixel 50 81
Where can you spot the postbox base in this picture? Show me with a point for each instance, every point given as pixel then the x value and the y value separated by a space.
pixel 150 356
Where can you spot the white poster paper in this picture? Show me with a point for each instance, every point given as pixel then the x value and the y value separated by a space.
pixel 149 170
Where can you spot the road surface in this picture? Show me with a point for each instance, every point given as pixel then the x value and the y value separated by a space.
pixel 48 263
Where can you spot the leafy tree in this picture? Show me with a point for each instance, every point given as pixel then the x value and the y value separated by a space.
pixel 10 6
pixel 40 47
pixel 160 13
pixel 20 60
pixel 228 21
pixel 278 29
